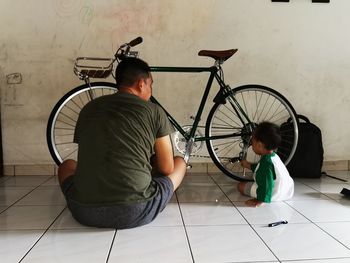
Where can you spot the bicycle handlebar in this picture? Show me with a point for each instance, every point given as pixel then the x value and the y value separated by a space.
pixel 124 50
pixel 135 41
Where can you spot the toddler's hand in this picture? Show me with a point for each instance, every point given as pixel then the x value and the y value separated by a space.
pixel 253 203
pixel 245 164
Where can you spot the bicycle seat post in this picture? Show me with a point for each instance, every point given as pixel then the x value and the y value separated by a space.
pixel 218 63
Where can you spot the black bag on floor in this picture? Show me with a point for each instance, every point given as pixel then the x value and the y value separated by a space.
pixel 308 157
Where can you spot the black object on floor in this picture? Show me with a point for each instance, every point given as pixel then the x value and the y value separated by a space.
pixel 278 223
pixel 308 157
pixel 345 192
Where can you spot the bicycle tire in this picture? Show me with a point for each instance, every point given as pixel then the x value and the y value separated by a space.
pixel 64 115
pixel 261 104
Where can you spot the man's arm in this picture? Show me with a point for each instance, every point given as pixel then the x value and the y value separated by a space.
pixel 164 155
pixel 166 163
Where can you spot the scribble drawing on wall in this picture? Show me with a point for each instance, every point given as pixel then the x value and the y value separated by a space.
pixel 67 8
pixel 86 14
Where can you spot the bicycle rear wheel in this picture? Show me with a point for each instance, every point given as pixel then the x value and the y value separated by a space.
pixel 64 116
pixel 260 103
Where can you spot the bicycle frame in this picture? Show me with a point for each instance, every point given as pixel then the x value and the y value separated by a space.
pixel 224 92
pixel 84 72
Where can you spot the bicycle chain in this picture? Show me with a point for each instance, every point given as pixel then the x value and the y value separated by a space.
pixel 200 156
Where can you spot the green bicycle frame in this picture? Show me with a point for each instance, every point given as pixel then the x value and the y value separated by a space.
pixel 224 92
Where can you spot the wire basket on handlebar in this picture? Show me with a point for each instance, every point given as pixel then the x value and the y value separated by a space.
pixel 92 67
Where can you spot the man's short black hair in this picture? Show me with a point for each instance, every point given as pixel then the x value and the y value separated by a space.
pixel 269 134
pixel 130 70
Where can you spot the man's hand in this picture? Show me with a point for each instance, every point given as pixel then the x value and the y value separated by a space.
pixel 253 203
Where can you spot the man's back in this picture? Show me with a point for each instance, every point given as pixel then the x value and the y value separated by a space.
pixel 116 135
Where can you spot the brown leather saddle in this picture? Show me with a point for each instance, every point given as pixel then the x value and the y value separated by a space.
pixel 218 55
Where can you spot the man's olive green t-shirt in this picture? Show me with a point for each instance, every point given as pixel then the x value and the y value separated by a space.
pixel 116 136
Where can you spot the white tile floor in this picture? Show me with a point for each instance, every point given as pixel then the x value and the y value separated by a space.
pixel 206 221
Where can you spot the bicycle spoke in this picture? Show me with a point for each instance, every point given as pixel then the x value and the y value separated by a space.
pixel 64 128
pixel 64 143
pixel 266 114
pixel 228 117
pixel 263 108
pixel 68 117
pixel 220 144
pixel 74 111
pixel 69 155
pixel 64 135
pixel 81 101
pixel 224 122
pixel 233 113
pixel 224 128
pixel 225 150
pixel 280 120
pixel 245 106
pixel 276 112
pixel 228 151
pixel 257 104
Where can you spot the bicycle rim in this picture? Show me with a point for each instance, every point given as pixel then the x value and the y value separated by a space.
pixel 64 116
pixel 260 104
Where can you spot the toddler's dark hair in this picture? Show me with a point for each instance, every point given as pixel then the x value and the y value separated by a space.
pixel 269 134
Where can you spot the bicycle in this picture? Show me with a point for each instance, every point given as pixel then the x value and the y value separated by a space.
pixel 229 125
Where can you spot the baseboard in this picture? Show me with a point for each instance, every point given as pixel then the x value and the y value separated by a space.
pixel 200 167
pixel 343 165
pixel 336 165
pixel 30 169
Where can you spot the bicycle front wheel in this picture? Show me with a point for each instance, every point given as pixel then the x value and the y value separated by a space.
pixel 260 104
pixel 64 116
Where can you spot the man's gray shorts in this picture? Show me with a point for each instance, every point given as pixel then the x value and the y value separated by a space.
pixel 119 216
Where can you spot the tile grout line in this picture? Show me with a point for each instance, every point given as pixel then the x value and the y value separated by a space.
pixel 312 259
pixel 46 230
pixel 332 199
pixel 331 235
pixel 247 221
pixel 315 224
pixel 110 248
pixel 184 225
pixel 329 197
pixel 24 195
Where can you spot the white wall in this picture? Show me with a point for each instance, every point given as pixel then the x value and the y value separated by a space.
pixel 299 48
